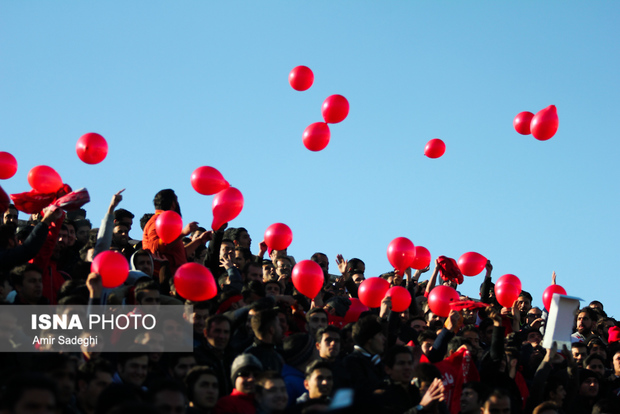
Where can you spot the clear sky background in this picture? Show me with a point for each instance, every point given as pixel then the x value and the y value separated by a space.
pixel 176 85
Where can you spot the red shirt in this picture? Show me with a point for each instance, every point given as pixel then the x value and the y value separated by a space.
pixel 174 252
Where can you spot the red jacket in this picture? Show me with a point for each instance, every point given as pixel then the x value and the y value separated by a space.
pixel 235 403
pixel 52 278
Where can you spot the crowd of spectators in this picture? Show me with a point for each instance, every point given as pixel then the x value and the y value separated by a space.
pixel 259 346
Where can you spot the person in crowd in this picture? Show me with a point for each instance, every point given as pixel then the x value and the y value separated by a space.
pixel 203 390
pixel 244 371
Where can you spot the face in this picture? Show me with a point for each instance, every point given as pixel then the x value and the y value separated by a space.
pixel 283 322
pixel 219 335
pixel 616 363
pixel 283 268
pixel 599 350
pixel 376 345
pixel 426 346
pixel 473 338
pixel 199 319
pixel 239 260
pixel 469 401
pixel 93 389
pixel 71 237
pixel 402 371
pixel 524 304
pixel 32 288
pixel 534 338
pixel 244 239
pixel 579 354
pixel 322 261
pixel 269 272
pixel 589 388
pixel 597 366
pixel 180 370
pixel 150 297
pixel 558 395
pixel 433 317
pixel 169 402
pixel 274 396
pixel 584 323
pixel 144 264
pixel 496 405
pixel 134 370
pixel 272 289
pixel 317 320
pixel 10 216
pixel 63 240
pixel 254 273
pixel 320 383
pixel 206 391
pixel 82 234
pixel 36 401
pixel 245 382
pixel 226 250
pixel 418 325
pixel 358 278
pixel 329 347
pixel 120 236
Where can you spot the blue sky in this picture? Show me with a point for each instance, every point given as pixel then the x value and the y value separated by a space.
pixel 176 85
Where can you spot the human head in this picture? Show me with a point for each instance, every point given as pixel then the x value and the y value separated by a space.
pixel 273 288
pixel 498 402
pixel 82 228
pixel 168 396
pixel 147 293
pixel 202 387
pixel 27 280
pixel 398 361
pixel 132 367
pixel 30 393
pixel 423 376
pixel 595 363
pixel 120 235
pixel 322 260
pixel 241 257
pixel 269 271
pixel 266 326
pixel 122 216
pixel 418 324
pixel 473 396
pixel 368 334
pixel 252 271
pixel 299 349
pixel 328 342
pixel 319 379
pixel 143 261
pixel 244 370
pixel 316 318
pixel 10 216
pixel 426 339
pixel 524 302
pixel 547 407
pixel 93 377
pixel 241 238
pixel 217 331
pixel 179 364
pixel 284 266
pixel 586 318
pixel 166 200
pixel 580 352
pixel 271 394
pixel 588 383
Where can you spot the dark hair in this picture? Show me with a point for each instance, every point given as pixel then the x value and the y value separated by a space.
pixel 255 287
pixel 138 351
pixel 194 375
pixel 165 384
pixel 247 253
pixel 236 233
pixel 353 263
pixel 426 335
pixel 526 295
pixel 21 383
pixel 17 274
pixel 389 357
pixel 590 357
pixel 263 320
pixel 216 319
pixel 313 311
pixel 145 219
pixel 327 329
pixel 143 287
pixel 480 388
pixel 246 267
pixel 578 345
pixel 173 358
pixel 121 213
pixel 457 342
pixel 264 377
pixel 88 371
pixel 316 255
pixel 426 373
pixel 317 364
pixel 164 199
pixel 498 393
pixel 591 313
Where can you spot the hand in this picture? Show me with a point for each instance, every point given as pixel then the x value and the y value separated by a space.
pixel 94 285
pixel 516 312
pixel 204 236
pixel 569 356
pixel 386 307
pixel 537 323
pixel 224 226
pixel 454 321
pixel 116 199
pixel 553 277
pixel 190 228
pixel 342 264
pixel 551 352
pixel 157 257
pixel 434 393
pixel 286 299
pixel 226 262
pixel 495 316
pixel 263 248
pixel 489 268
pixel 51 214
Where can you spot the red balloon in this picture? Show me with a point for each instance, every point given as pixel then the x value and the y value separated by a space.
pixel 372 291
pixel 506 294
pixel 308 278
pixel 208 181
pixel 335 109
pixel 168 226
pixel 91 148
pixel 440 298
pixel 401 253
pixel 472 263
pixel 548 294
pixel 8 165
pixel 435 148
pixel 44 179
pixel 195 282
pixel 421 257
pixel 355 310
pixel 545 123
pixel 112 267
pixel 278 236
pixel 522 122
pixel 401 298
pixel 227 204
pixel 509 279
pixel 301 78
pixel 316 136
